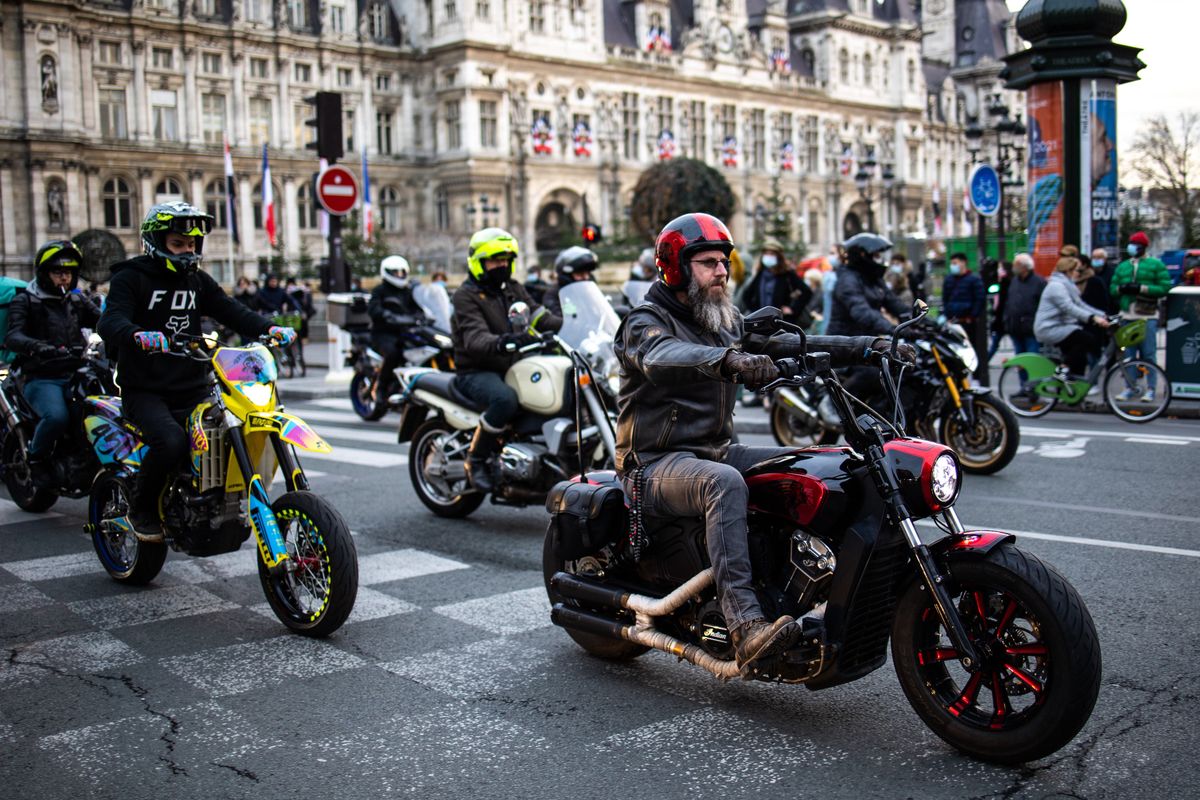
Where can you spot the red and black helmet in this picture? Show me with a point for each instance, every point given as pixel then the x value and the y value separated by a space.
pixel 680 239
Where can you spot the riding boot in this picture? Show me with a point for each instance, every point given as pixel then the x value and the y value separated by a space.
pixel 41 472
pixel 483 445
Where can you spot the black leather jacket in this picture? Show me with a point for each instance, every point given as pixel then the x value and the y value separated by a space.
pixel 37 317
pixel 673 397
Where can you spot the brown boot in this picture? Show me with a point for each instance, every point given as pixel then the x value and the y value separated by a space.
pixel 759 639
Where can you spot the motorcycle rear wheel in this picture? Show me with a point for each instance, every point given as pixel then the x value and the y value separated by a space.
pixel 123 556
pixel 991 444
pixel 360 397
pixel 790 430
pixel 1040 658
pixel 598 646
pixel 451 499
pixel 1023 404
pixel 18 478
pixel 315 594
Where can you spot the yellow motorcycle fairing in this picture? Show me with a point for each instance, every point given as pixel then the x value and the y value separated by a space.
pixel 289 428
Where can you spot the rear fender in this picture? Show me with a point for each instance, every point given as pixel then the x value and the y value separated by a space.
pixel 114 441
pixel 1034 364
pixel 289 428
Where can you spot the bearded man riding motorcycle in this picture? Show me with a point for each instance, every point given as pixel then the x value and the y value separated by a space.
pixel 675 428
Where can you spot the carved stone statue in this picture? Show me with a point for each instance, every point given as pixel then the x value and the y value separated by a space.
pixel 55 207
pixel 49 80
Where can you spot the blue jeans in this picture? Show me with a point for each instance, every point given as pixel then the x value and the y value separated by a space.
pixel 1025 344
pixel 489 389
pixel 1148 350
pixel 682 485
pixel 48 396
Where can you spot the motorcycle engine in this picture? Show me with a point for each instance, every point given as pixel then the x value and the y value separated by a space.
pixel 522 463
pixel 812 563
pixel 708 624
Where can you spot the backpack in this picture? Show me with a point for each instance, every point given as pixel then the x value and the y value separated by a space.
pixel 8 290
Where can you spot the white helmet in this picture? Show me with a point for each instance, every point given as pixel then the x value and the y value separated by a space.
pixel 394 270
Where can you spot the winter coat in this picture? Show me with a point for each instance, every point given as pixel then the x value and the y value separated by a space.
pixel 963 296
pixel 39 317
pixel 146 296
pixel 1021 304
pixel 1061 311
pixel 1151 273
pixel 481 318
pixel 790 290
pixel 857 298
pixel 392 311
pixel 275 301
pixel 673 395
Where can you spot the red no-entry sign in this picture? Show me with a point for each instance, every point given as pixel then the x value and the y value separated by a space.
pixel 337 190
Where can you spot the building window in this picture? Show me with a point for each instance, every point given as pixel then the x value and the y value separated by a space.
pixel 257 10
pixel 112 114
pixel 451 10
pixel 697 130
pixel 442 205
pixel 378 21
pixel 164 115
pixel 758 138
pixel 383 132
pixel 212 115
pixel 345 76
pixel 488 124
pixel 167 190
pixel 783 130
pixel 118 203
pixel 537 16
pixel 912 75
pixel 418 127
pixel 306 209
pixel 207 8
pixel 868 70
pixel 483 9
pixel 298 14
pixel 162 58
pixel 575 10
pixel 162 5
pixel 348 128
pixel 812 141
pixel 303 73
pixel 259 68
pixel 108 52
pixel 337 18
pixel 389 209
pixel 664 115
pixel 302 133
pixel 383 82
pixel 260 120
pixel 844 66
pixel 453 125
pixel 214 203
pixel 210 63
pixel 728 122
pixel 630 122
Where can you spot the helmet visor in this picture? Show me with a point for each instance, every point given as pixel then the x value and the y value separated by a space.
pixel 189 226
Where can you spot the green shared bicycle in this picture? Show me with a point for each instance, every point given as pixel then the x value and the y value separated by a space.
pixel 1137 390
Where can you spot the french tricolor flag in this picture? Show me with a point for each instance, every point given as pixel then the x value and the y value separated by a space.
pixel 368 222
pixel 268 199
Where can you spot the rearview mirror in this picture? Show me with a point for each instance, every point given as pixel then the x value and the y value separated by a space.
pixel 763 322
pixel 518 316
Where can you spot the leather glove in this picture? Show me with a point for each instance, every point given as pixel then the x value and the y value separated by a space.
pixel 753 370
pixel 1129 288
pixel 882 346
pixel 511 342
pixel 284 336
pixel 151 341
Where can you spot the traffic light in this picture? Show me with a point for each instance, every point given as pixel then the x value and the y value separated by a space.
pixel 328 122
pixel 591 233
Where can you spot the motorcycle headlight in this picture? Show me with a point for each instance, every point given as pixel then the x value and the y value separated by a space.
pixel 943 478
pixel 969 357
pixel 443 340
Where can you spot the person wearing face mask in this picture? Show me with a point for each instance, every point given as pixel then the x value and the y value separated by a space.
pixel 897 279
pixel 776 284
pixel 1138 283
pixel 485 347
pixel 44 326
pixel 964 300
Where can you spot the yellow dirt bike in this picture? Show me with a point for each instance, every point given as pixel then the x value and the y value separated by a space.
pixel 306 559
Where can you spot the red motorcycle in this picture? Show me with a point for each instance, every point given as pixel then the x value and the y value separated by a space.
pixel 994 649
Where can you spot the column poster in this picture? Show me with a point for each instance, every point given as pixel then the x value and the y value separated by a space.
pixel 1098 165
pixel 1047 174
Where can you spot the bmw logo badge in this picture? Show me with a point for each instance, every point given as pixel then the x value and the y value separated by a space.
pixel 535 377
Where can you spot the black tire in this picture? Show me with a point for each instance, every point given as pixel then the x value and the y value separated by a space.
pixel 17 477
pixel 1040 665
pixel 598 646
pixel 315 593
pixel 790 430
pixel 452 499
pixel 123 557
pixel 1136 410
pixel 360 397
pixel 1023 405
pixel 991 444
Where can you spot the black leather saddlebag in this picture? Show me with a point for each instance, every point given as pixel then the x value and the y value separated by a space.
pixel 585 517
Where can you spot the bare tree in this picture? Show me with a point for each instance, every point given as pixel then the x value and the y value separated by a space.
pixel 1166 158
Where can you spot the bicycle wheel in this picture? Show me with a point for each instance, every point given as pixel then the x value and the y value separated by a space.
pixel 1137 390
pixel 1020 396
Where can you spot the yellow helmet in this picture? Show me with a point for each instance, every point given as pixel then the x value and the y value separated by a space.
pixel 489 243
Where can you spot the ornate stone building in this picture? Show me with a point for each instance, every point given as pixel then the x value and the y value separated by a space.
pixel 474 112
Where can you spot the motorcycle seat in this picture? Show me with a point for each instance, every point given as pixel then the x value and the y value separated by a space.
pixel 443 384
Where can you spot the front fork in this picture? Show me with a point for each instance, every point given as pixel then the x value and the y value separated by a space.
pixel 963 404
pixel 271 545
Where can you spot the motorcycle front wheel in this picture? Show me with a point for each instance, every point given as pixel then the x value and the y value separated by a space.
pixel 18 478
pixel 123 556
pixel 1040 658
pixel 792 430
pixel 438 472
pixel 315 592
pixel 360 397
pixel 1018 395
pixel 991 443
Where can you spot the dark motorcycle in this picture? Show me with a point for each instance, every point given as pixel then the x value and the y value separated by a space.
pixel 427 345
pixel 994 649
pixel 72 461
pixel 941 403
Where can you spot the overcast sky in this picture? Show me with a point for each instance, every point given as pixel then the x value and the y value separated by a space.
pixel 1166 31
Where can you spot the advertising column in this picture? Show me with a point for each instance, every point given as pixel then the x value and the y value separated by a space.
pixel 1098 165
pixel 1047 176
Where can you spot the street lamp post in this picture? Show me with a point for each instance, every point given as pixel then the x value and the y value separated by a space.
pixel 862 179
pixel 1009 135
pixel 486 209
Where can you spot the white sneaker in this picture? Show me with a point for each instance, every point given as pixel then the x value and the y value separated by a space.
pixel 1148 397
pixel 1126 395
pixel 1092 392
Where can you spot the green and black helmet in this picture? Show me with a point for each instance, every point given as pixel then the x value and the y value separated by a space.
pixel 180 218
pixel 55 255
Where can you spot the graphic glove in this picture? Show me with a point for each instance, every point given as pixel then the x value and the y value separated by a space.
pixel 151 341
pixel 284 336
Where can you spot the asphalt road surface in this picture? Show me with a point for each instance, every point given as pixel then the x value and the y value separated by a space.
pixel 449 682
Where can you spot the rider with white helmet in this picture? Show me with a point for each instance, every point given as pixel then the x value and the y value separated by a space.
pixel 392 310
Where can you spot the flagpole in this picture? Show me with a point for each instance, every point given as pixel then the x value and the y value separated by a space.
pixel 228 206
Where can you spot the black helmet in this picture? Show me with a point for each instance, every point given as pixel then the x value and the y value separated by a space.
pixel 572 261
pixel 866 250
pixel 57 254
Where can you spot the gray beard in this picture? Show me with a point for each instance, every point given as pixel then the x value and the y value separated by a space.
pixel 713 314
